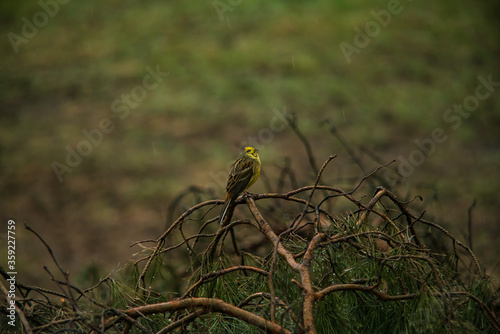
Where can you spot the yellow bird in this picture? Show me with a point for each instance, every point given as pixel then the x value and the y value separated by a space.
pixel 244 172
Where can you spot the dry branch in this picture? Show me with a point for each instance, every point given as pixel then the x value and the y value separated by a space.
pixel 210 305
pixel 301 253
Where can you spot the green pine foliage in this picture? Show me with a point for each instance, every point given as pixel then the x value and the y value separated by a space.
pixel 370 271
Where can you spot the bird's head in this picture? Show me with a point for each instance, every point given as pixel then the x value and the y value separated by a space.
pixel 250 152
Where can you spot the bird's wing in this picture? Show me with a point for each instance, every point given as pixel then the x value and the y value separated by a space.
pixel 240 177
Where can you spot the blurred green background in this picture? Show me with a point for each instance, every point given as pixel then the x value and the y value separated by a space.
pixel 232 67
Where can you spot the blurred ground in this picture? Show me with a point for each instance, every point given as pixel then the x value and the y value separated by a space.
pixel 91 78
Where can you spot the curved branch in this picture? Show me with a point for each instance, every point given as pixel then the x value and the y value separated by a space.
pixel 161 239
pixel 363 288
pixel 183 321
pixel 209 304
pixel 489 314
pixel 304 211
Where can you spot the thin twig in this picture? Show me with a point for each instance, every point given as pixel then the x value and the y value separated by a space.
pixel 293 124
pixel 469 222
pixel 304 211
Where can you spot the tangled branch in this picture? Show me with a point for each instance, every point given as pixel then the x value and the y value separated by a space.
pixel 298 269
pixel 324 232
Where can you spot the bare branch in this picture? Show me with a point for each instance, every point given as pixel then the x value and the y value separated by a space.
pixel 211 305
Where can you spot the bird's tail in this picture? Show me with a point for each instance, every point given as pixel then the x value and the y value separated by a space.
pixel 227 210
